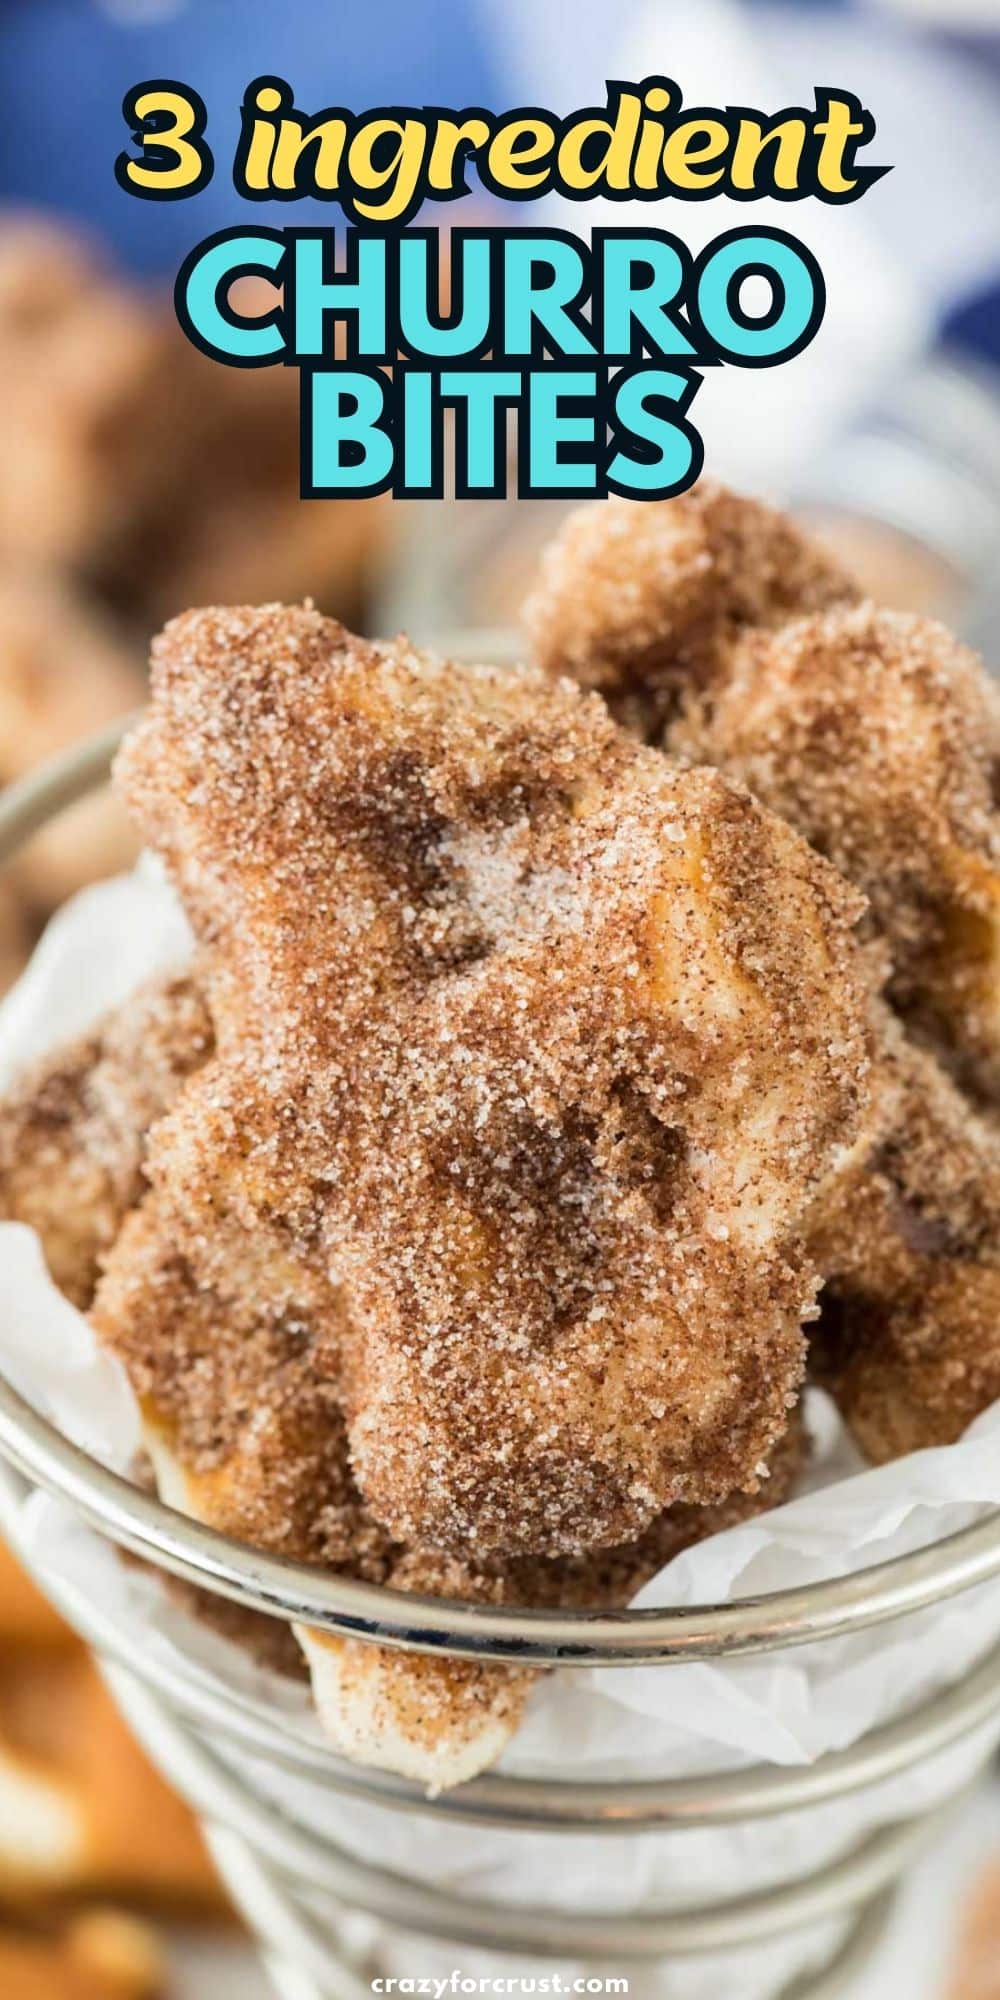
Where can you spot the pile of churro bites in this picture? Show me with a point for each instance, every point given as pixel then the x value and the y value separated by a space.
pixel 563 1046
pixel 136 476
pixel 134 466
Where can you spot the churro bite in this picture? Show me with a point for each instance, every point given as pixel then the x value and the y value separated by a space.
pixel 908 1339
pixel 73 1128
pixel 736 642
pixel 441 1721
pixel 449 1218
pixel 878 736
pixel 644 600
pixel 88 411
pixel 64 673
pixel 246 1434
pixel 534 1048
pixel 140 465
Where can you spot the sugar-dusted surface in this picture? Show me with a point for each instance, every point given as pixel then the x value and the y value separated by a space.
pixel 535 1049
pixel 909 1245
pixel 265 1454
pixel 73 1130
pixel 878 736
pixel 440 1721
pixel 644 600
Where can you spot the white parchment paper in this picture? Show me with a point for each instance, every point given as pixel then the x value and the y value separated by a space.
pixel 787 1708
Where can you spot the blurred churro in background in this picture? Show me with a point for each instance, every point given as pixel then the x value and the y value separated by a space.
pixel 85 1824
pixel 139 465
pixel 83 1812
pixel 64 672
pixel 137 478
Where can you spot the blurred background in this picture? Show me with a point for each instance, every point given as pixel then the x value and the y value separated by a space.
pixel 137 478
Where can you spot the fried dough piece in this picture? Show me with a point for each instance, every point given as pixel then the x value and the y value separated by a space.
pixel 909 1243
pixel 245 1435
pixel 442 1721
pixel 534 1047
pixel 643 600
pixel 878 736
pixel 103 1955
pixel 73 1129
pixel 64 673
pixel 875 734
pixel 92 407
pixel 83 1812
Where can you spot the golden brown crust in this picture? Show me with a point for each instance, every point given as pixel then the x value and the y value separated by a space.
pixel 909 1244
pixel 73 1129
pixel 64 673
pixel 246 1433
pixel 643 600
pixel 223 1361
pixel 441 1721
pixel 536 1047
pixel 878 736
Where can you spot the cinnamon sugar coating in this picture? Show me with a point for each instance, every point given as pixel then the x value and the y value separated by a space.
pixel 441 1721
pixel 908 1340
pixel 245 1433
pixel 243 1424
pixel 73 1129
pixel 874 733
pixel 531 1048
pixel 643 600
pixel 878 736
